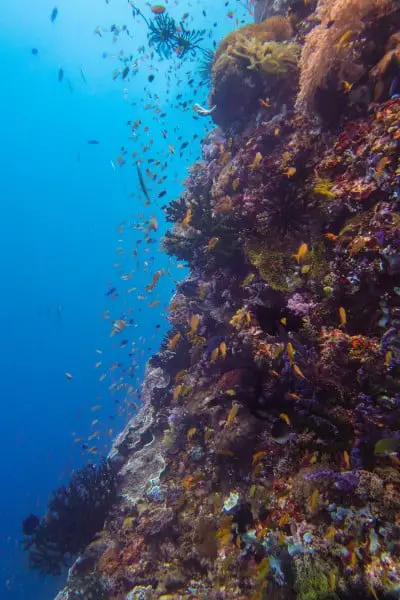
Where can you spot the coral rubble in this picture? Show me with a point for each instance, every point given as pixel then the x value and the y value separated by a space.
pixel 264 462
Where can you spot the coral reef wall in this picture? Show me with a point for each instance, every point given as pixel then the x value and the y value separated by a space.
pixel 264 462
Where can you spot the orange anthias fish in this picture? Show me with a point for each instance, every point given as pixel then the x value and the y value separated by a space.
pixel 342 316
pixel 158 9
pixel 212 243
pixel 291 352
pixel 223 349
pixel 173 341
pixel 232 414
pixel 118 326
pixel 381 166
pixel 301 253
pixel 330 236
pixel 153 224
pixel 194 323
pixel 153 282
pixel 188 217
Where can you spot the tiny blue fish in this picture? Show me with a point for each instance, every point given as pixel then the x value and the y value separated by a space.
pixel 54 14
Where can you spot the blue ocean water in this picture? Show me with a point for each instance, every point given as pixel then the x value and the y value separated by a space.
pixel 62 202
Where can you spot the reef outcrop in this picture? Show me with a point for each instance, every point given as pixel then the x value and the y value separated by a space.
pixel 264 461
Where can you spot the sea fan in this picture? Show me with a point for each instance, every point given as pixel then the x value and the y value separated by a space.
pixel 75 514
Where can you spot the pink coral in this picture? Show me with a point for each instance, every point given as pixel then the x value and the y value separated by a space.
pixel 299 305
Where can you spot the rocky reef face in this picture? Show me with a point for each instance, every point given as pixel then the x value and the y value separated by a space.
pixel 264 461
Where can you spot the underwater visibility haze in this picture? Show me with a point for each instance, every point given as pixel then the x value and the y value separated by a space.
pixel 200 300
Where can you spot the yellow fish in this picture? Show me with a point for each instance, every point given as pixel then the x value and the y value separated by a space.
pixel 188 217
pixel 373 592
pixel 283 321
pixel 353 560
pixel 257 159
pixel 177 392
pixel 232 414
pixel 298 372
pixel 332 581
pixel 228 453
pixel 194 323
pixel 180 375
pixel 346 460
pixel 173 341
pixel 285 418
pixel 330 534
pixel 258 456
pixel 388 358
pixel 230 392
pixel 342 316
pixel 153 282
pixel 285 518
pixel 214 355
pixel 198 339
pixel 153 224
pixel 301 253
pixel 291 171
pixel 247 280
pixel 118 326
pixel 192 431
pixel 223 349
pixel 291 352
pixel 212 243
pixel 346 37
pixel 202 291
pixel 347 86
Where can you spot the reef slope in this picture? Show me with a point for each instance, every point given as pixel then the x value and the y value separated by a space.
pixel 264 461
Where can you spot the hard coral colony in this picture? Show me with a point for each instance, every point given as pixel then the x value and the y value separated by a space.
pixel 264 460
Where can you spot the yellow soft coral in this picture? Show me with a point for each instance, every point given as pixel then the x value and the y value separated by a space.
pixel 271 58
pixel 276 268
pixel 274 29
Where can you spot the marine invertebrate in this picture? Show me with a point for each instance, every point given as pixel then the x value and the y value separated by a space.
pixel 75 514
pixel 276 29
pixel 206 65
pixel 275 267
pixel 331 46
pixel 186 42
pixel 284 214
pixel 270 58
pixel 252 62
pixel 166 37
pixel 162 31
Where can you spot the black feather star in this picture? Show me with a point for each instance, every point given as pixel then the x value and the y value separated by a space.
pixel 206 65
pixel 284 215
pixel 161 36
